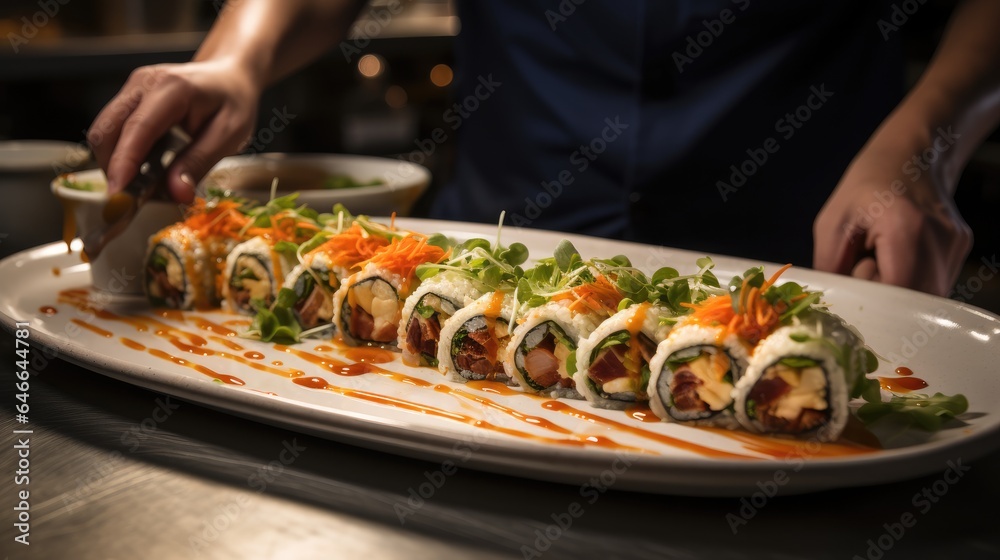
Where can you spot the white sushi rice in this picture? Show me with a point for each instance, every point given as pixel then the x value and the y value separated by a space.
pixel 455 287
pixel 576 326
pixel 451 327
pixel 194 267
pixel 688 334
pixel 651 327
pixel 370 271
pixel 780 345
pixel 275 264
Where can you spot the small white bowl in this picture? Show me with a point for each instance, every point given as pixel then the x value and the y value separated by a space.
pixel 251 176
pixel 118 269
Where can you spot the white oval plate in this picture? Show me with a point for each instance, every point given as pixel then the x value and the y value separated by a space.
pixel 950 345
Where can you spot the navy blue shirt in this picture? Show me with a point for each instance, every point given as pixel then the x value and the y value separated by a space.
pixel 719 126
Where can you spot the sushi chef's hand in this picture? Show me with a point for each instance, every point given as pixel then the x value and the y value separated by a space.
pixel 892 218
pixel 214 98
pixel 215 101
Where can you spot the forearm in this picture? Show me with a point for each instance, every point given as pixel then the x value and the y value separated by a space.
pixel 959 93
pixel 270 39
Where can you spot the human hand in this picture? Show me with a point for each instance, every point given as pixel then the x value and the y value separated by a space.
pixel 214 101
pixel 891 219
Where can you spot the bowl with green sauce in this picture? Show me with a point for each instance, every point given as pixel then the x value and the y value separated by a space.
pixel 364 184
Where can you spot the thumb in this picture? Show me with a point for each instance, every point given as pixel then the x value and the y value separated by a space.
pixel 217 140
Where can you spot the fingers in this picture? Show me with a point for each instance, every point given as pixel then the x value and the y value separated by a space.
pixel 866 269
pixel 838 245
pixel 223 135
pixel 159 110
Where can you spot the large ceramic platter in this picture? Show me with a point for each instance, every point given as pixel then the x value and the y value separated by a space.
pixel 370 398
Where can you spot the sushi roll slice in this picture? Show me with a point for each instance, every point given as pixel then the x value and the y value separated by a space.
pixel 324 267
pixel 614 360
pixel 368 305
pixel 474 341
pixel 184 261
pixel 254 272
pixel 542 356
pixel 180 270
pixel 794 385
pixel 426 311
pixel 693 374
pixel 313 284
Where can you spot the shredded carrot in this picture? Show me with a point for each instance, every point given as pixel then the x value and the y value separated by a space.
pixel 754 319
pixel 224 219
pixel 285 226
pixel 351 246
pixel 599 296
pixel 404 254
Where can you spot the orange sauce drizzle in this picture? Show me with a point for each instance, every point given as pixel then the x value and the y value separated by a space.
pixel 196 345
pixel 904 371
pixel 69 222
pixel 369 354
pixel 48 310
pixel 642 413
pixel 564 408
pixel 223 377
pixel 215 328
pixel 634 327
pixel 781 448
pixel 170 314
pixel 132 344
pixel 92 328
pixel 320 383
pixel 901 384
pixel 228 343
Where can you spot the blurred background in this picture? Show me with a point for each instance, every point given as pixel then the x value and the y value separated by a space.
pixel 61 61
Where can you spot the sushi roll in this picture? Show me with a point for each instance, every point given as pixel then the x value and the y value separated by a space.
pixel 427 309
pixel 693 374
pixel 180 270
pixel 184 261
pixel 368 305
pixel 474 341
pixel 613 362
pixel 542 356
pixel 322 269
pixel 794 385
pixel 254 272
pixel 313 284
